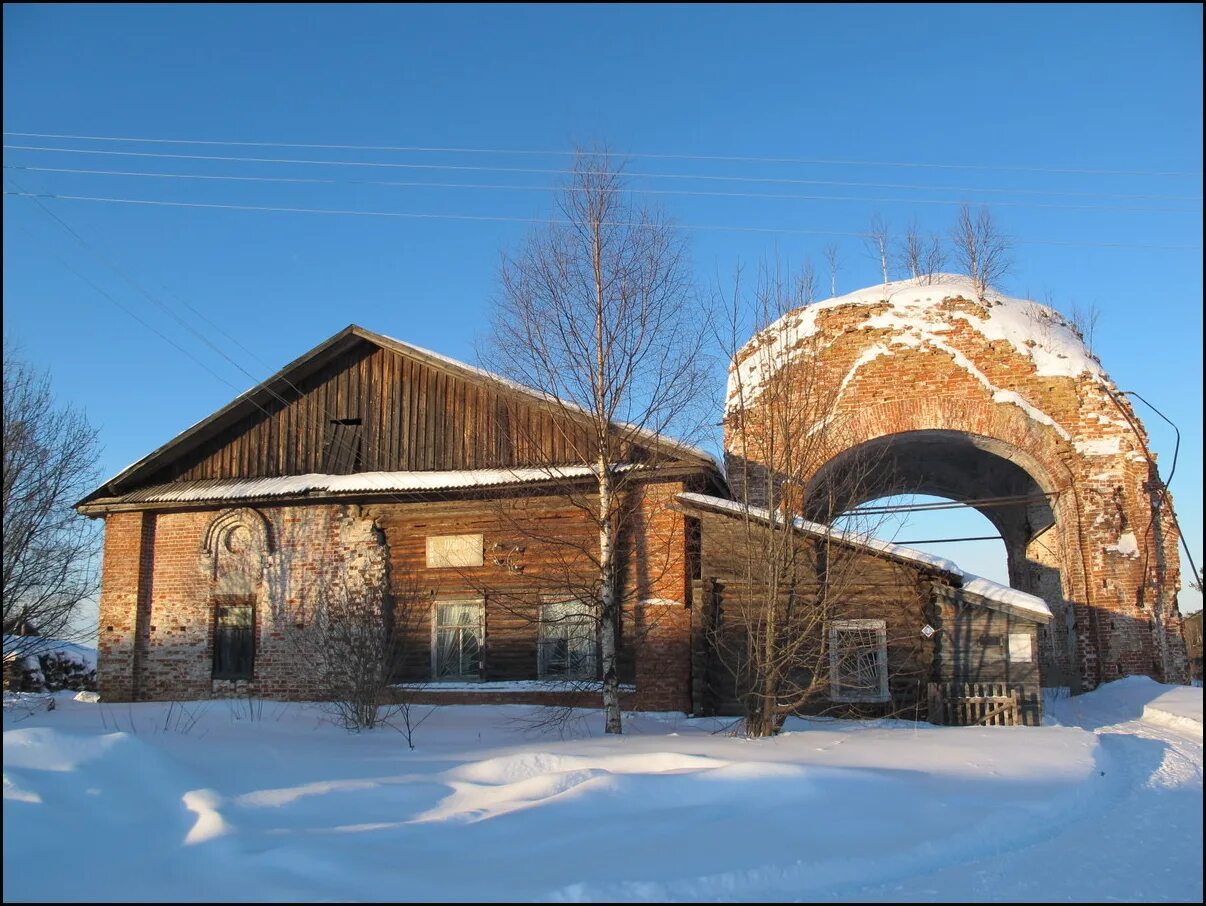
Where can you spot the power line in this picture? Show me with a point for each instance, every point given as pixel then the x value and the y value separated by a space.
pixel 977 502
pixel 814 182
pixel 545 171
pixel 420 149
pixel 131 313
pixel 548 220
pixel 365 440
pixel 552 188
pixel 949 540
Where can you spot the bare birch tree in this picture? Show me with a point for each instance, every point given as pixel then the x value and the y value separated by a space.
pixel 911 250
pixel 933 259
pixel 878 243
pixel 784 425
pixel 981 248
pixel 1084 318
pixel 833 262
pixel 50 551
pixel 920 256
pixel 597 311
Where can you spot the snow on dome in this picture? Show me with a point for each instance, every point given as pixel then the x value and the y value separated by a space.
pixel 917 320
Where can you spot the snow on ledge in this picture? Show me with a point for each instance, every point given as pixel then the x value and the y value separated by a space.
pixel 485 688
pixel 972 583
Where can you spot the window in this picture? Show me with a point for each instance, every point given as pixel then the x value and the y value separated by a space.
pixel 858 661
pixel 234 640
pixel 457 636
pixel 568 641
pixel 343 447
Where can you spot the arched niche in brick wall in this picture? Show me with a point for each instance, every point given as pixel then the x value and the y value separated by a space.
pixel 234 549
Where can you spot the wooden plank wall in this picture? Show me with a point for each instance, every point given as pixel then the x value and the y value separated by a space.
pixel 970 645
pixel 414 417
pixel 870 588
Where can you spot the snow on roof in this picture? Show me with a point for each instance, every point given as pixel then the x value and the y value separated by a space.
pixel 1036 331
pixel 974 584
pixel 290 485
pixel 1003 594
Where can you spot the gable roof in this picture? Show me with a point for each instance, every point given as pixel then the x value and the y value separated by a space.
pixel 975 588
pixel 273 388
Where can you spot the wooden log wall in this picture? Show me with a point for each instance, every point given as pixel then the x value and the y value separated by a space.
pixel 533 547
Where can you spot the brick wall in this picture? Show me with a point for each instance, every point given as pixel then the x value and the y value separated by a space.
pixel 1118 568
pixel 164 570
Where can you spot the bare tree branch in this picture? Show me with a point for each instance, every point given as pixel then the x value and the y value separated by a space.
pixel 773 635
pixel 50 551
pixel 598 312
pixel 981 249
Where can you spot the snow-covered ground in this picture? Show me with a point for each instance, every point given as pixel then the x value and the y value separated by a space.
pixel 152 802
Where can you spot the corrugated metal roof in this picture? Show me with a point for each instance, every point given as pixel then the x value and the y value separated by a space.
pixel 207 489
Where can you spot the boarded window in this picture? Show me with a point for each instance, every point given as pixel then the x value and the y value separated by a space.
pixel 343 447
pixel 445 551
pixel 234 640
pixel 569 645
pixel 858 661
pixel 458 635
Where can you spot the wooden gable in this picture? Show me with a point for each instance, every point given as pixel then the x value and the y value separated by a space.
pixel 361 402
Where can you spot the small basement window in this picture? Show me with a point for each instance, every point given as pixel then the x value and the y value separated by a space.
pixel 858 661
pixel 457 638
pixel 569 646
pixel 234 640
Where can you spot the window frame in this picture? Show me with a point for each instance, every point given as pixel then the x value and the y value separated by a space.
pixel 587 614
pixel 480 604
pixel 836 693
pixel 218 604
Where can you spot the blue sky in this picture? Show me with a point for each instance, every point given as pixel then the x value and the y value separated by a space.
pixel 1081 125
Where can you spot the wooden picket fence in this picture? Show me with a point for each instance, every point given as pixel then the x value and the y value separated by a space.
pixel 974 704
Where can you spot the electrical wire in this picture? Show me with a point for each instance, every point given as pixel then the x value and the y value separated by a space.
pixel 548 220
pixel 465 167
pixel 635 155
pixel 555 188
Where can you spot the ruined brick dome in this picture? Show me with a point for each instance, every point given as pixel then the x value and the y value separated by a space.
pixel 978 398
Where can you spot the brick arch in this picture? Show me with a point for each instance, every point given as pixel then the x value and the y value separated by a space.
pixel 219 531
pixel 943 447
pixel 235 548
pixel 1002 381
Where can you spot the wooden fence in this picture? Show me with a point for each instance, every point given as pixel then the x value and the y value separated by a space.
pixel 974 704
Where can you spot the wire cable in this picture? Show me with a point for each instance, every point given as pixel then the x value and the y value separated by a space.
pixel 552 221
pixel 421 149
pixel 554 188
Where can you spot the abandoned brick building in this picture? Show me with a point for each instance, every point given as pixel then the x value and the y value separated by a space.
pixel 996 403
pixel 436 476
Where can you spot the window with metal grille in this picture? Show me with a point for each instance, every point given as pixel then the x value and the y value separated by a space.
pixel 234 640
pixel 569 642
pixel 343 447
pixel 858 661
pixel 458 635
